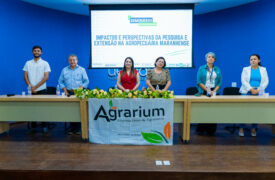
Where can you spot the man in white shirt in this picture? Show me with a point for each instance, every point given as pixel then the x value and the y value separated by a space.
pixel 36 73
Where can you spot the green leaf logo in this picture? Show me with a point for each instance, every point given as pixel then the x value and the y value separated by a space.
pixel 111 103
pixel 163 137
pixel 152 137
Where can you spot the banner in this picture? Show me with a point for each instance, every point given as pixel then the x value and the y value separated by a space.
pixel 131 121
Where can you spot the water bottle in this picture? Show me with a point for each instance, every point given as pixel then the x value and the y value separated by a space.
pixel 214 93
pixel 29 90
pixel 157 87
pixel 58 90
pixel 261 91
pixel 208 93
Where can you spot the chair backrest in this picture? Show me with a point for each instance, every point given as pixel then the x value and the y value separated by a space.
pixel 51 90
pixel 231 91
pixel 191 91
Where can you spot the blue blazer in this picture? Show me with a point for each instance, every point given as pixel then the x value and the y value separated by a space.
pixel 201 77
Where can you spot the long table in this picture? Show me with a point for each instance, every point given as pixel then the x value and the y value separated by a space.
pixel 52 108
pixel 228 109
pixel 44 108
pixel 187 110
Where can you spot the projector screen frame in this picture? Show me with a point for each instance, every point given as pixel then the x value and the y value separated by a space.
pixel 113 7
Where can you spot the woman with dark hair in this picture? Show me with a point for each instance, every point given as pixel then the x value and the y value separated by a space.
pixel 128 78
pixel 254 81
pixel 158 78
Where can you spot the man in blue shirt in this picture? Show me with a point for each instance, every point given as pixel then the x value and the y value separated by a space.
pixel 73 77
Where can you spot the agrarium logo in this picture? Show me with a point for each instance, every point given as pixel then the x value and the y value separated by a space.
pixel 114 112
pixel 156 137
pixel 142 21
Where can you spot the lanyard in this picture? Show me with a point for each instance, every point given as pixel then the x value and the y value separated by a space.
pixel 211 73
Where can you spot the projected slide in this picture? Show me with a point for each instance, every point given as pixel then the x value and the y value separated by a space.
pixel 143 35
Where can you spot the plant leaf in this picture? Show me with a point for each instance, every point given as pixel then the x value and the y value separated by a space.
pixel 152 137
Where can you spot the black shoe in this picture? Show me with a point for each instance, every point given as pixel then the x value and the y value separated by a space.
pixel 74 132
pixel 71 132
pixel 77 133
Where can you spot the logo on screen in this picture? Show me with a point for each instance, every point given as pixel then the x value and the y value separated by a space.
pixel 142 21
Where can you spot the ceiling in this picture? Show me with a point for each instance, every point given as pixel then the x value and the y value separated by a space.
pixel 81 6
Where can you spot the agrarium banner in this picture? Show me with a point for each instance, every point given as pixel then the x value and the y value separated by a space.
pixel 131 121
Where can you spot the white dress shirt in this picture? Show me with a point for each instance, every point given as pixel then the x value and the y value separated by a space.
pixel 36 72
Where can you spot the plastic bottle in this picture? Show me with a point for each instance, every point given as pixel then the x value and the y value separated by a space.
pixel 208 93
pixel 58 90
pixel 214 93
pixel 29 90
pixel 261 91
pixel 157 87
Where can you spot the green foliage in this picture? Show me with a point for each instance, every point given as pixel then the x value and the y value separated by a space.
pixel 116 93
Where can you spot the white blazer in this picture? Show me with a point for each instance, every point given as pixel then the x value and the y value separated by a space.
pixel 246 79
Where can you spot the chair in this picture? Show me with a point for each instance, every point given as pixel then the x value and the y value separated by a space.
pixel 51 90
pixel 230 91
pixel 191 91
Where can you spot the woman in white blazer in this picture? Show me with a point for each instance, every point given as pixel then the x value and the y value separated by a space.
pixel 254 81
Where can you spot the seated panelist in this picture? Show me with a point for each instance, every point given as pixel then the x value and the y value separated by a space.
pixel 158 78
pixel 128 78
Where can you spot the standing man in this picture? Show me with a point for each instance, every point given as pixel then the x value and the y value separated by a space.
pixel 36 73
pixel 73 77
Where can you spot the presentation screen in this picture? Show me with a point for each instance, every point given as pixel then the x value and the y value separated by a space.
pixel 143 34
